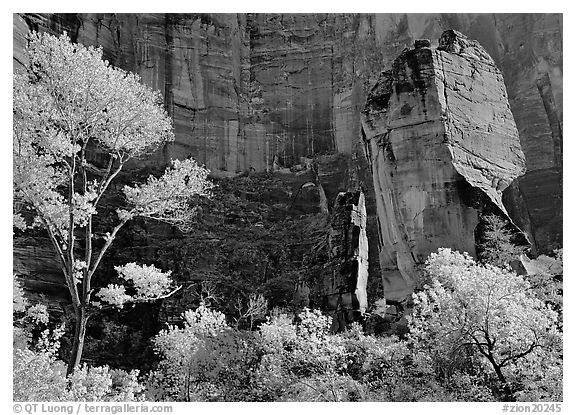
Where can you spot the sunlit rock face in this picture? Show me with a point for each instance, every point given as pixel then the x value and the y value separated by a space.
pixel 527 48
pixel 443 146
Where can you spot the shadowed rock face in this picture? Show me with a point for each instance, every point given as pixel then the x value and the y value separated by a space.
pixel 345 275
pixel 443 146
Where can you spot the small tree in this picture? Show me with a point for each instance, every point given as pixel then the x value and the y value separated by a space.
pixel 176 377
pixel 498 246
pixel 77 122
pixel 481 312
pixel 255 309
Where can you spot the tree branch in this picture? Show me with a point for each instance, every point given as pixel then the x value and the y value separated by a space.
pixel 161 297
pixel 480 349
pixel 106 246
pixel 70 247
pixel 108 178
pixel 88 236
pixel 514 358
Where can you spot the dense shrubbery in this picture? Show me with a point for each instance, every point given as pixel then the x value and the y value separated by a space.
pixel 300 360
pixel 477 333
pixel 40 376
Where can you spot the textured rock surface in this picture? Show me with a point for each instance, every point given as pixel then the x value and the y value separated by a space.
pixel 528 50
pixel 443 146
pixel 199 62
pixel 35 259
pixel 250 90
pixel 263 91
pixel 345 274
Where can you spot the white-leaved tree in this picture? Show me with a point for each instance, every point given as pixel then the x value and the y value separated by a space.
pixel 77 122
pixel 488 315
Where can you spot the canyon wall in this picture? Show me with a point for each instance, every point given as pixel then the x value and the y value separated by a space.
pixel 254 91
pixel 276 92
pixel 443 146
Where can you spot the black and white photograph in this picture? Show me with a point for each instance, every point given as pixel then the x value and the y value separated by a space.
pixel 287 207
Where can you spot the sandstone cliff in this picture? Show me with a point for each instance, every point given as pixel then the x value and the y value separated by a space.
pixel 443 146
pixel 273 92
pixel 258 90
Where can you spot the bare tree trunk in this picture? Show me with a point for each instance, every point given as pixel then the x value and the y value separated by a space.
pixel 509 396
pixel 79 334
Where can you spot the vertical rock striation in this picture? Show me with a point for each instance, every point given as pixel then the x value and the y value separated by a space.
pixel 443 145
pixel 528 50
pixel 201 65
pixel 345 275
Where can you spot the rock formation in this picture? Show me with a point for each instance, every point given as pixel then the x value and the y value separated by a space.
pixel 345 274
pixel 245 90
pixel 262 92
pixel 443 146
